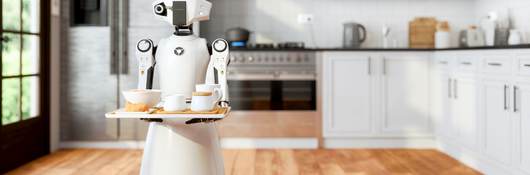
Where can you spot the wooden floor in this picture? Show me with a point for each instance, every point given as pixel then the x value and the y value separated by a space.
pixel 261 162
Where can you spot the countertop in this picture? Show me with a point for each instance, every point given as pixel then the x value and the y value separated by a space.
pixel 522 46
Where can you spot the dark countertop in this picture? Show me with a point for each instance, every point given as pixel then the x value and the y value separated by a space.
pixel 522 46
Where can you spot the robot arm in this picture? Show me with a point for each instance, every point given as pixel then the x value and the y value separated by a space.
pixel 145 51
pixel 217 68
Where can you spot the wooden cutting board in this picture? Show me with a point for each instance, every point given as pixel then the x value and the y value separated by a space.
pixel 421 32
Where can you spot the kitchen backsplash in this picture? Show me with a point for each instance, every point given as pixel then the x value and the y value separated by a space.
pixel 276 20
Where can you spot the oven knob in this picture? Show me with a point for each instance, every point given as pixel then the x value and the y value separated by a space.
pixel 298 60
pixel 273 59
pixel 250 59
pixel 232 59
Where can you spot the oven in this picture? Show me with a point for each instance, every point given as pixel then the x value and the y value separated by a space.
pixel 272 94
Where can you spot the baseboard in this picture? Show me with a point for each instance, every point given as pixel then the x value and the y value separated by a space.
pixel 230 143
pixel 270 143
pixel 476 160
pixel 419 143
pixel 103 144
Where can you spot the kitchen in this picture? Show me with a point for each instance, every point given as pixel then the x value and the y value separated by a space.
pixel 439 87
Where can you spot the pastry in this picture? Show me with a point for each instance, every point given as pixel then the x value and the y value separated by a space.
pixel 130 107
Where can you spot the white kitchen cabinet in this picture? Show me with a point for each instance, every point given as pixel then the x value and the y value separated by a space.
pixel 369 94
pixel 464 110
pixel 347 99
pixel 498 132
pixel 455 104
pixel 441 103
pixel 522 112
pixel 406 94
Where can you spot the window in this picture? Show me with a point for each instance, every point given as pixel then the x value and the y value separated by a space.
pixel 20 60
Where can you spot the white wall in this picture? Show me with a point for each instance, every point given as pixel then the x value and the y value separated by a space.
pixel 276 20
pixel 519 10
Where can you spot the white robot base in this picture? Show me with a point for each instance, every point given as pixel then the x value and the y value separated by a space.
pixel 176 148
pixel 179 143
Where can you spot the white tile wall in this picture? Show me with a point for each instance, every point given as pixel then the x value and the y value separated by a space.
pixel 276 20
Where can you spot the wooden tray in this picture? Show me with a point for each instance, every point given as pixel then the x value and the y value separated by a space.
pixel 216 114
pixel 189 111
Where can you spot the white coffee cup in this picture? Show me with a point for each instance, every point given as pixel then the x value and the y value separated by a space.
pixel 213 88
pixel 204 103
pixel 176 102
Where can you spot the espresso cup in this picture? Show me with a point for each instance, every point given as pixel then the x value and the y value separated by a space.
pixel 203 101
pixel 213 88
pixel 176 102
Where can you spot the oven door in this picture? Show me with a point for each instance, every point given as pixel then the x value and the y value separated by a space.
pixel 277 93
pixel 271 106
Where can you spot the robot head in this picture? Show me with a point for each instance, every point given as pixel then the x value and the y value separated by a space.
pixel 182 12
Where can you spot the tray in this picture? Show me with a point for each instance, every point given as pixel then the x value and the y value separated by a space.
pixel 157 114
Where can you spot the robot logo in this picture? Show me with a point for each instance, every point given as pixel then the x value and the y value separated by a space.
pixel 179 51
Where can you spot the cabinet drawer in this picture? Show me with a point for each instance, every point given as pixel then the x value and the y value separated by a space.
pixel 442 63
pixel 524 65
pixel 498 65
pixel 467 63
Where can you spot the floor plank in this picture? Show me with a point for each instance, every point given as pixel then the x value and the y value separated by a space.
pixel 261 162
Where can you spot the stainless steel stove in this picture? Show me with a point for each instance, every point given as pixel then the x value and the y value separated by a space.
pixel 272 79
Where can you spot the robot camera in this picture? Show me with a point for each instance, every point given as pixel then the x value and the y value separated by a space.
pixel 160 9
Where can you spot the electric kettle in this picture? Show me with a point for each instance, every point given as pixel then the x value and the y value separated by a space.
pixel 354 35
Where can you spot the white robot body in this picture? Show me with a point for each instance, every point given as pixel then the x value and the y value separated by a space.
pixel 181 62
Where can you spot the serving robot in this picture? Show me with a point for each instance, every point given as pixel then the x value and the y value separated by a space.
pixel 183 60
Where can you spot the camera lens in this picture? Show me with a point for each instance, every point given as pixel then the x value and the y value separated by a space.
pixel 160 9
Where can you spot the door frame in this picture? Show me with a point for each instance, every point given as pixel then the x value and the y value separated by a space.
pixel 13 158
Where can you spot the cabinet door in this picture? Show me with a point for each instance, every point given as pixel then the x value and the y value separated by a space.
pixel 465 110
pixel 497 121
pixel 522 109
pixel 406 95
pixel 347 94
pixel 440 100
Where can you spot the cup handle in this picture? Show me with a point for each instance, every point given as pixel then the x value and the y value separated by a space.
pixel 219 93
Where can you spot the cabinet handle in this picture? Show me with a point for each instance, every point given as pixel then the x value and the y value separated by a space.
pixel 114 63
pixel 526 65
pixel 449 94
pixel 506 97
pixel 124 21
pixel 369 65
pixel 384 66
pixel 442 62
pixel 495 64
pixel 515 90
pixel 466 63
pixel 455 88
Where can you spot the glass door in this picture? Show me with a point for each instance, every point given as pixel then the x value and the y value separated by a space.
pixel 24 124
